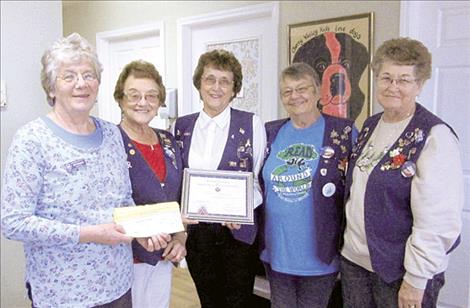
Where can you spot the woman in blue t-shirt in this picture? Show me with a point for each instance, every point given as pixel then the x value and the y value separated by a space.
pixel 303 188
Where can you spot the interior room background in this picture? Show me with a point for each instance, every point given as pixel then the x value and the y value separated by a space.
pixel 28 27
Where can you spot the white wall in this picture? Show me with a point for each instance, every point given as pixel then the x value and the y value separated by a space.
pixel 27 28
pixel 91 17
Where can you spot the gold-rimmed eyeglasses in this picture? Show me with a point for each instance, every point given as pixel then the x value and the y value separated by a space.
pixel 72 77
pixel 152 97
pixel 211 80
pixel 287 92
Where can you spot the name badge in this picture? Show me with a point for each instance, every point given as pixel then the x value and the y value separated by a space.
pixel 73 166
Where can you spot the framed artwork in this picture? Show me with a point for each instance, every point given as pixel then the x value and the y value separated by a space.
pixel 339 50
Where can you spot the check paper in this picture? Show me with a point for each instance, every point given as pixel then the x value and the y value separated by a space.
pixel 149 220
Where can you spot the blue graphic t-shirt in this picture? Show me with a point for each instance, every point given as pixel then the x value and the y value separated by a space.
pixel 290 225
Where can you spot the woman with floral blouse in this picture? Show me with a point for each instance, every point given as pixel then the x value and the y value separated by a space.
pixel 64 175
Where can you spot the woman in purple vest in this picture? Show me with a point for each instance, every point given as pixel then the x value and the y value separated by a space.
pixel 221 257
pixel 402 218
pixel 155 170
pixel 303 178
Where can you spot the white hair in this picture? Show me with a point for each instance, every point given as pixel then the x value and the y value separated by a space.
pixel 65 50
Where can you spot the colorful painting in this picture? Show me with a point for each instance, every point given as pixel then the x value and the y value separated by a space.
pixel 339 50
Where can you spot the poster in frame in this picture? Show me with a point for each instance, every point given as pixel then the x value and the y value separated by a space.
pixel 340 51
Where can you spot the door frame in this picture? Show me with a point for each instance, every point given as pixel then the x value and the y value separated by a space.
pixel 185 28
pixel 408 28
pixel 458 264
pixel 103 42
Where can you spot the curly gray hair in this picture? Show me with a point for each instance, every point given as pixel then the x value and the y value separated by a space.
pixel 66 50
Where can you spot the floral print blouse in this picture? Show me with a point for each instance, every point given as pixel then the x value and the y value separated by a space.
pixel 50 188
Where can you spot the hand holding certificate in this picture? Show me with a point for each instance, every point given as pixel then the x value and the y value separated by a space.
pixel 218 196
pixel 149 220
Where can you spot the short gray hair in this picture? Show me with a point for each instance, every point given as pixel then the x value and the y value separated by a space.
pixel 404 51
pixel 300 70
pixel 66 50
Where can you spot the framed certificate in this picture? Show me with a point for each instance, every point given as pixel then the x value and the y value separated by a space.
pixel 218 196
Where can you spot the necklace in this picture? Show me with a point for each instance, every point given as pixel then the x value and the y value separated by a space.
pixel 382 139
pixel 146 146
pixel 144 135
pixel 370 157
pixel 393 117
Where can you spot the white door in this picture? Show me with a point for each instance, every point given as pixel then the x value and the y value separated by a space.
pixel 116 49
pixel 251 34
pixel 444 27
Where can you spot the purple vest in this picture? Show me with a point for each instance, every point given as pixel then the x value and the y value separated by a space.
pixel 237 156
pixel 147 188
pixel 387 213
pixel 328 210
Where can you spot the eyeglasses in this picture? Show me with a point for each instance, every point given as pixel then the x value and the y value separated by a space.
pixel 286 93
pixel 212 80
pixel 403 82
pixel 72 77
pixel 152 97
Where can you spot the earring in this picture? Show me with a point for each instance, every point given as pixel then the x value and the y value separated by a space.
pixel 52 101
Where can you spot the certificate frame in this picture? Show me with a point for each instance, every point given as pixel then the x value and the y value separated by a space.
pixel 190 176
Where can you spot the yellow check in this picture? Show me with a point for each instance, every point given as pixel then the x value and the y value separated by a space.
pixel 151 219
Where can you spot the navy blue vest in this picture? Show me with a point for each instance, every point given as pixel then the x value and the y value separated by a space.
pixel 147 188
pixel 387 213
pixel 328 210
pixel 237 156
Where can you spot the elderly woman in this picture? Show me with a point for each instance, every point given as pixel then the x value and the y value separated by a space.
pixel 402 220
pixel 155 170
pixel 303 178
pixel 221 257
pixel 64 175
